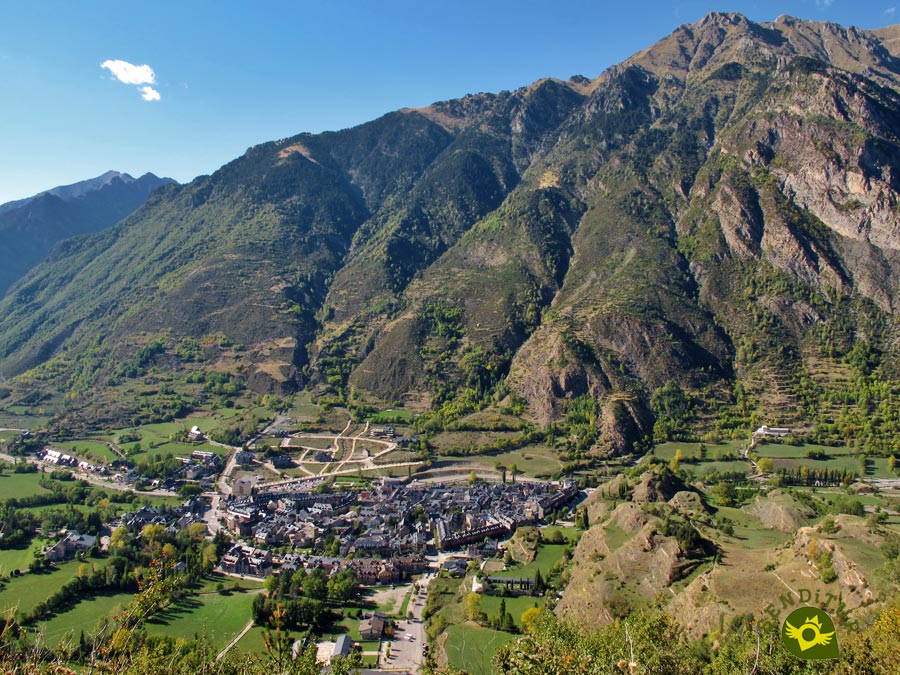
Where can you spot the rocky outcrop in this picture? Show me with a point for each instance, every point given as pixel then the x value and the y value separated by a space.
pixel 657 486
pixel 777 510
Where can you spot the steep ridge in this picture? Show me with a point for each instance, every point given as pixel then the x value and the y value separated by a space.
pixel 30 227
pixel 718 208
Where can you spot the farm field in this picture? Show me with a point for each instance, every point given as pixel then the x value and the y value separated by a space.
pixel 471 647
pixel 252 642
pixel 547 556
pixel 449 441
pixel 89 449
pixel 570 534
pixel 212 615
pixel 18 485
pixel 19 558
pixel 515 605
pixel 714 451
pixel 536 460
pixel 28 590
pixel 184 449
pixel 86 616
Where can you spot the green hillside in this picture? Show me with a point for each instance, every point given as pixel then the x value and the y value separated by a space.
pixel 699 241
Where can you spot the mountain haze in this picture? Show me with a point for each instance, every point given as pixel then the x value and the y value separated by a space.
pixel 716 215
pixel 30 227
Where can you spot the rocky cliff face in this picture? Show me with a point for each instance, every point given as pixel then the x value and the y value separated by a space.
pixel 702 214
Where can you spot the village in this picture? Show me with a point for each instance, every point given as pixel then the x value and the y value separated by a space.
pixel 384 532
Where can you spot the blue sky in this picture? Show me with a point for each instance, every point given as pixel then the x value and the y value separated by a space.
pixel 230 74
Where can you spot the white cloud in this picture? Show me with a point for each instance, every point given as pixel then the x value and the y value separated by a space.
pixel 890 11
pixel 824 3
pixel 130 73
pixel 149 94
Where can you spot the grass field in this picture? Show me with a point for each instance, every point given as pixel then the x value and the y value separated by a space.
pixel 490 605
pixel 19 417
pixel 388 416
pixel 208 584
pixel 570 534
pixel 252 642
pixel 17 485
pixel 184 449
pixel 28 590
pixel 692 450
pixel 534 460
pixel 547 556
pixel 704 468
pixel 774 450
pixel 448 441
pixel 89 449
pixel 87 615
pixel 749 531
pixel 312 442
pixel 217 617
pixel 470 647
pixel 18 559
pixel 839 463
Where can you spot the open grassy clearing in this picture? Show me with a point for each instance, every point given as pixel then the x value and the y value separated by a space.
pixel 776 450
pixel 389 472
pixel 22 417
pixel 215 616
pixel 253 642
pixel 391 415
pixel 471 647
pixel 704 468
pixel 17 485
pixel 349 625
pixel 838 463
pixel 536 460
pixel 20 558
pixel 315 442
pixel 547 556
pixel 88 615
pixel 304 408
pixel 448 441
pixel 570 534
pixel 515 605
pixel 28 590
pixel 208 584
pixel 173 448
pixel 396 457
pixel 714 451
pixel 615 536
pixel 749 532
pixel 89 449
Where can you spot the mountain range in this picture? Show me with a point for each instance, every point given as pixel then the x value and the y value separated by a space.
pixel 31 227
pixel 712 221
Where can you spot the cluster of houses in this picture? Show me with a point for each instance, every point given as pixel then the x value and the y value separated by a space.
pixel 173 519
pixel 383 532
pixel 201 467
pixel 248 560
pixel 60 458
pixel 490 511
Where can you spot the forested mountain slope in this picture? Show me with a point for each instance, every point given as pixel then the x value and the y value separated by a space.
pixel 706 232
pixel 30 227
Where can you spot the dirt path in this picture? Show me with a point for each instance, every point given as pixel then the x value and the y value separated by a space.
pixel 237 639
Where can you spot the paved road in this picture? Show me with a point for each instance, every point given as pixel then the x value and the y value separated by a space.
pixel 217 510
pixel 90 478
pixel 408 654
